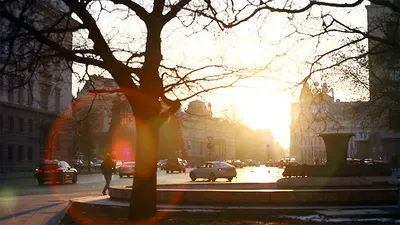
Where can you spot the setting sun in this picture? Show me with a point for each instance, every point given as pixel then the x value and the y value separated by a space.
pixel 262 108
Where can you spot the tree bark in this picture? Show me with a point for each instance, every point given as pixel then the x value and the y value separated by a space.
pixel 144 189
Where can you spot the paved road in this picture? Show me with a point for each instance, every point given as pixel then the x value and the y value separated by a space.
pixel 24 196
pixel 95 182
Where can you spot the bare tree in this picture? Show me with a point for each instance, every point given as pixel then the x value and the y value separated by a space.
pixel 367 67
pixel 153 86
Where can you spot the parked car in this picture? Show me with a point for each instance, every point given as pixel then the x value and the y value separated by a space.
pixel 161 164
pixel 86 165
pixel 55 171
pixel 185 162
pixel 212 170
pixel 118 164
pixel 175 164
pixel 98 162
pixel 77 163
pixel 236 163
pixel 126 169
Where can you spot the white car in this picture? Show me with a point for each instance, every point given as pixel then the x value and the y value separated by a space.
pixel 212 170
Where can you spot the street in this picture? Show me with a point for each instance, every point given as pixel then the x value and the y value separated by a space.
pixel 22 196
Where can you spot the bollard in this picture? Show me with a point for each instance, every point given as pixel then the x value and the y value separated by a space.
pixel 398 189
pixel 398 194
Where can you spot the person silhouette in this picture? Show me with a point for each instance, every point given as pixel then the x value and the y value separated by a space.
pixel 107 168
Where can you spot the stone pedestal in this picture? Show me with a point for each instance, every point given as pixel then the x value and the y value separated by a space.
pixel 336 147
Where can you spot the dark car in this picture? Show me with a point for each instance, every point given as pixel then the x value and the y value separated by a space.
pixel 127 169
pixel 55 171
pixel 161 164
pixel 175 164
pixel 77 163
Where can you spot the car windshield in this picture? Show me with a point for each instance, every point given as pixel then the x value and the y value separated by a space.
pixel 223 164
pixel 47 167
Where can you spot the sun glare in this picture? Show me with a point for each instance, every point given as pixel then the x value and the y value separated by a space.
pixel 264 109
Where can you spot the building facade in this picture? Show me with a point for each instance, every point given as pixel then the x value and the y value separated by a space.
pixel 384 82
pixel 316 113
pixel 97 110
pixel 205 137
pixel 31 103
pixel 193 134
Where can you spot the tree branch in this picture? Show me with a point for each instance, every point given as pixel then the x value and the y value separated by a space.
pixel 139 10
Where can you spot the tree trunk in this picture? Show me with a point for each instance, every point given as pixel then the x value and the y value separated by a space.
pixel 144 190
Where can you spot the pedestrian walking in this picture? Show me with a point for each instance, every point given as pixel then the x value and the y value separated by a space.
pixel 107 168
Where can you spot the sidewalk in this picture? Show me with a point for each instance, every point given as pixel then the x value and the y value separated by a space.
pixel 53 213
pixel 92 209
pixel 50 214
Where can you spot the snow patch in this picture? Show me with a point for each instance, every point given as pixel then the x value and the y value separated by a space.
pixel 319 218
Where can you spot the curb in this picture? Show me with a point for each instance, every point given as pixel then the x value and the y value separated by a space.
pixel 56 219
pixel 271 212
pixel 271 197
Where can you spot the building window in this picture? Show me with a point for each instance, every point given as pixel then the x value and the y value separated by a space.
pixel 57 100
pixel 30 98
pixel 20 153
pixel 392 31
pixel 20 95
pixel 394 74
pixel 21 124
pixel 11 123
pixel 30 125
pixel 10 153
pixel 30 153
pixel 58 143
pixel 30 93
pixel 1 152
pixel 44 96
pixel 1 87
pixel 10 90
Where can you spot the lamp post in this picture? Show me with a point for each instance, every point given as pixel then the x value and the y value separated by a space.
pixel 210 146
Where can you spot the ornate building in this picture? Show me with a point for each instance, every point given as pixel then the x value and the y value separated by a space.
pixel 193 134
pixel 315 113
pixel 206 137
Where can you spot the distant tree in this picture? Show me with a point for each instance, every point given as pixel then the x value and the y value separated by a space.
pixel 86 141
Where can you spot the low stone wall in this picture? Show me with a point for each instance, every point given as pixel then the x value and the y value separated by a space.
pixel 271 197
pixel 334 182
pixel 218 186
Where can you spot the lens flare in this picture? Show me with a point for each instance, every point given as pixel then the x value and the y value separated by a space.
pixel 123 150
pixel 121 140
pixel 8 199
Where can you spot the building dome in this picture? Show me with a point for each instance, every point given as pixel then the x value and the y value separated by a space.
pixel 198 108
